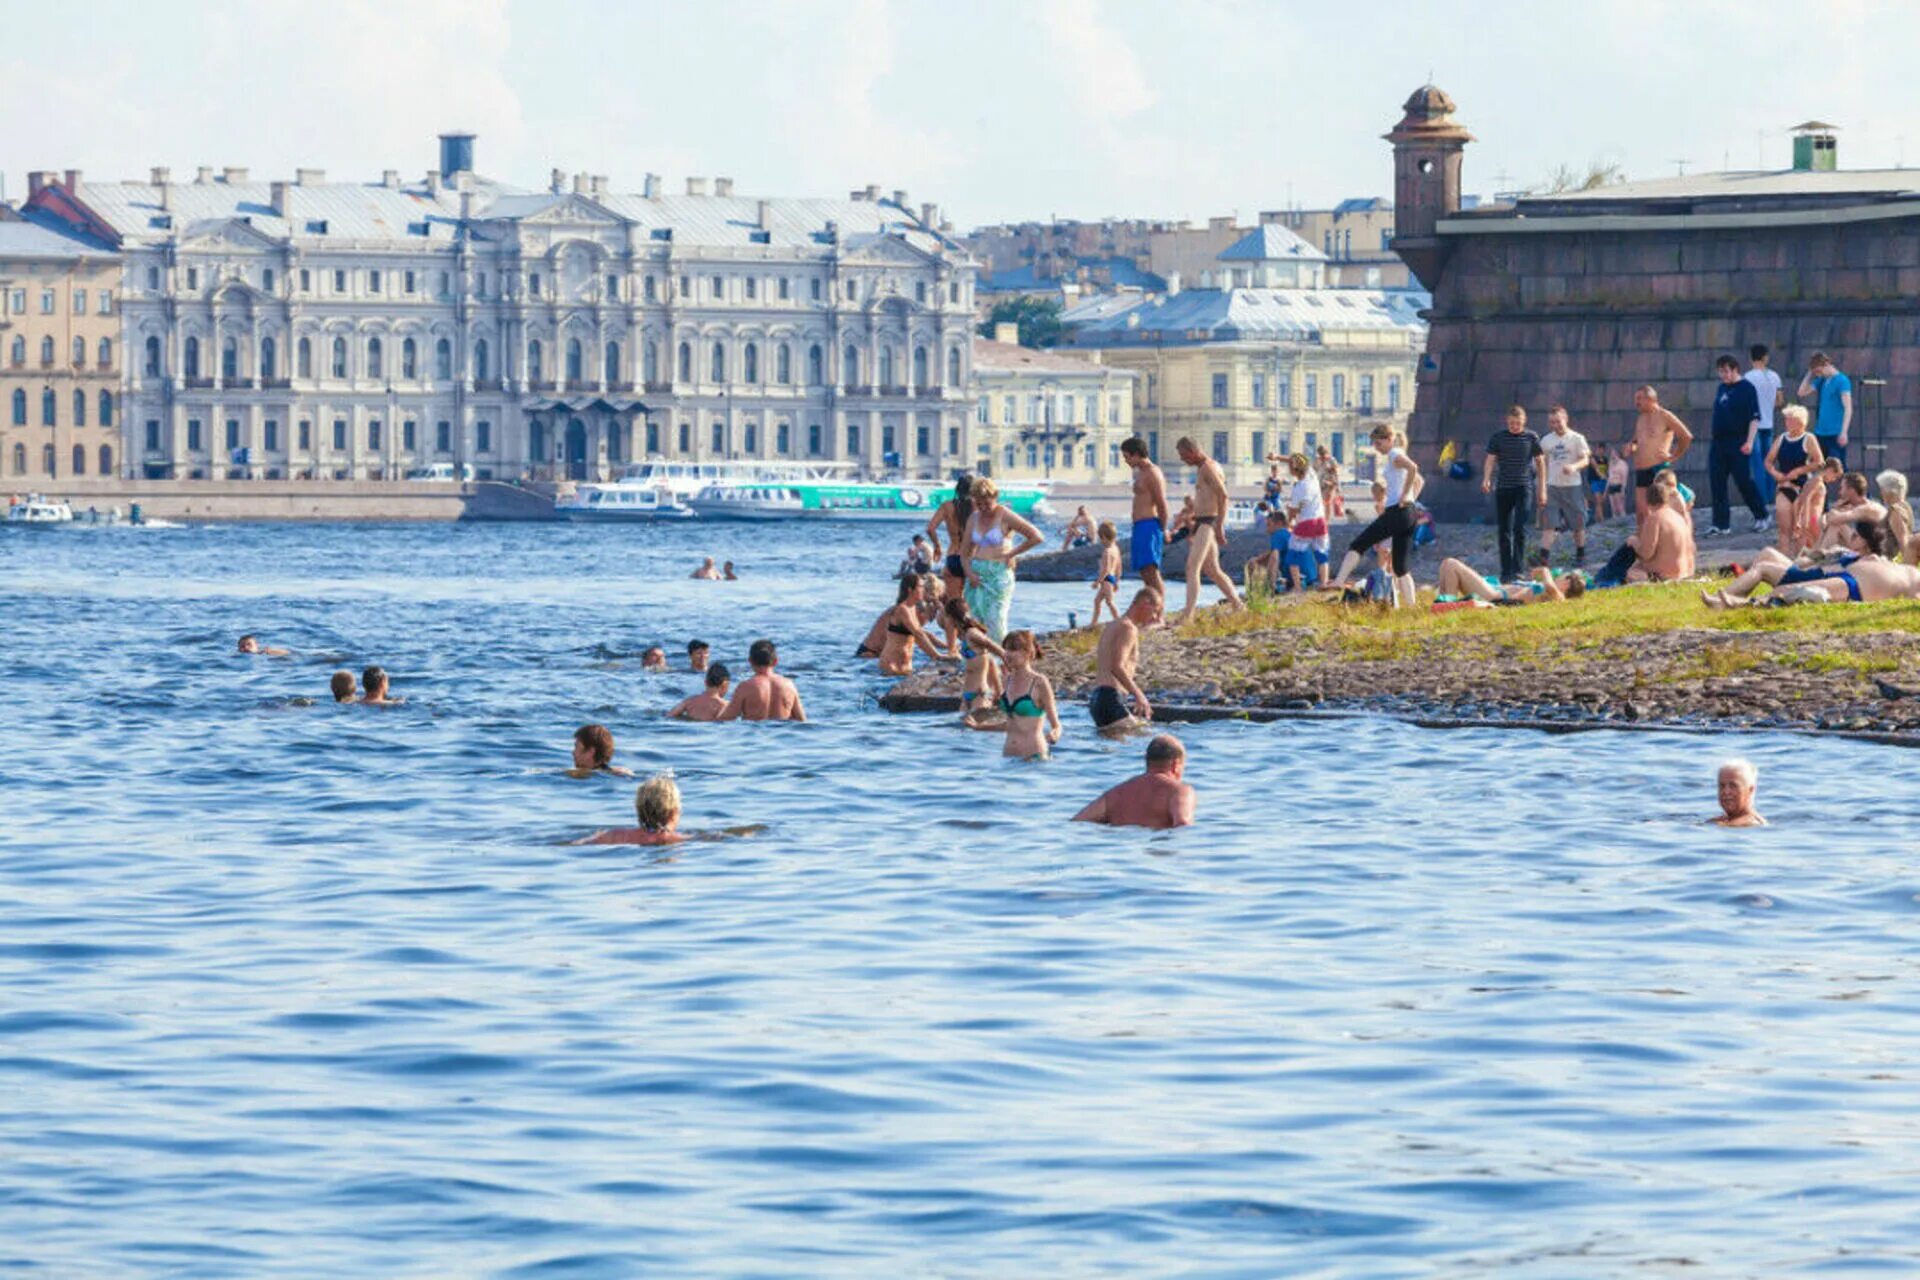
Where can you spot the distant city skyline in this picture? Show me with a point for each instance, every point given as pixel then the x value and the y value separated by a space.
pixel 996 110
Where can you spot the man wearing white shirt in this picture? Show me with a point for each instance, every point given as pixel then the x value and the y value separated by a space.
pixel 1766 388
pixel 1567 457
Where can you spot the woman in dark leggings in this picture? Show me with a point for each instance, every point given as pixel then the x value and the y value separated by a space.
pixel 1403 481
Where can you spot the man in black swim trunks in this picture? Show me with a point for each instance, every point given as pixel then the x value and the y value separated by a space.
pixel 1114 661
pixel 1659 441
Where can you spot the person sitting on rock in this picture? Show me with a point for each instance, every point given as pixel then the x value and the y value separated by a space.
pixel 1738 780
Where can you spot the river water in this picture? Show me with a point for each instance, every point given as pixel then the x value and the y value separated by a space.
pixel 298 989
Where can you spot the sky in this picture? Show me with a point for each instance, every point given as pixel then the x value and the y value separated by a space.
pixel 997 110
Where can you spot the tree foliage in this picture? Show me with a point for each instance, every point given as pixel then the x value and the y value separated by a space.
pixel 1038 318
pixel 1598 173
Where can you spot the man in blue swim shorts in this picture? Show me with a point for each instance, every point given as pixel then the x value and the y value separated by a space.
pixel 1149 513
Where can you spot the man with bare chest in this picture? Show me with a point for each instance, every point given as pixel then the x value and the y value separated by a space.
pixel 1659 440
pixel 1209 528
pixel 1149 538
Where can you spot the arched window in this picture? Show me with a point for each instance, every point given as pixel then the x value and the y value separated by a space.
pixel 46 461
pixel 611 363
pixel 46 351
pixel 19 407
pixel 783 364
pixel 750 363
pixel 79 460
pixel 919 366
pixel 480 359
pixel 79 352
pixel 576 363
pixel 717 364
pixel 374 362
pixel 106 352
pixel 886 366
pixel 106 459
pixel 409 359
pixel 106 412
pixel 269 358
pixel 339 357
pixel 953 366
pixel 650 363
pixel 305 354
pixel 850 366
pixel 534 361
pixel 816 365
pixel 229 359
pixel 153 357
pixel 686 363
pixel 19 349
pixel 79 408
pixel 49 407
pixel 19 459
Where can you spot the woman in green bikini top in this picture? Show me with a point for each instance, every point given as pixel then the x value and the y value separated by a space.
pixel 1033 722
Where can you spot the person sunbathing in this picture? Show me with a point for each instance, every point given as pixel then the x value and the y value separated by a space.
pixel 1864 575
pixel 1461 583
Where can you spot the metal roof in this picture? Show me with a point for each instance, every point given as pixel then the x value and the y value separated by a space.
pixel 1744 184
pixel 36 240
pixel 1270 243
pixel 1228 315
pixel 1011 357
pixel 734 221
pixel 1114 272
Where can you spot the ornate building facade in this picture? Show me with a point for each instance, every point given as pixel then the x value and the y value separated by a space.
pixel 60 356
pixel 1048 415
pixel 313 329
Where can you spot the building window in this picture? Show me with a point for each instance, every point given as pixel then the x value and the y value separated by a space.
pixel 651 290
pixel 340 435
pixel 305 436
pixel 79 460
pixel 983 412
pixel 266 279
pixel 1066 410
pixel 269 354
pixel 233 434
pixel 853 439
pixel 719 437
pixel 850 366
pixel 1153 389
pixel 813 440
pixel 339 357
pixel 535 360
pixel 1283 393
pixel 1219 390
pixel 686 437
pixel 79 302
pixel 923 439
pixel 717 363
pixel 1258 453
pixel 373 283
pixel 919 366
pixel 373 434
pixel 686 291
pixel 685 369
pixel 753 292
pixel 229 359
pixel 1393 395
pixel 46 461
pixel 653 428
pixel 886 367
pixel 272 435
pixel 303 353
pixel 920 292
pixel 18 351
pixel 106 303
pixel 753 437
pixel 19 407
pixel 153 435
pixel 374 358
pixel 650 363
pixel 1339 390
pixel 306 280
pixel 815 291
pixel 533 284
pixel 340 282
pixel 953 366
pixel 46 352
pixel 443 437
pixel 153 279
pixel 783 440
pixel 851 293
pixel 409 359
pixel 46 297
pixel 49 408
pixel 1313 391
pixel 1220 446
pixel 408 282
pixel 783 364
pixel 193 435
pixel 719 288
pixel 481 361
pixel 79 408
pixel 1259 391
pixel 784 287
pixel 574 361
pixel 106 408
pixel 1009 457
pixel 953 439
pixel 483 437
pixel 1366 392
pixel 1007 409
pixel 79 352
pixel 407 436
pixel 750 368
pixel 816 365
pixel 610 363
pixel 1033 455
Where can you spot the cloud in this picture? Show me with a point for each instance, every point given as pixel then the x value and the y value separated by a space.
pixel 1099 68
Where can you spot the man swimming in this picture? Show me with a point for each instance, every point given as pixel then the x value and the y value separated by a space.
pixel 1149 537
pixel 656 807
pixel 710 702
pixel 764 695
pixel 593 753
pixel 1738 781
pixel 1114 660
pixel 342 686
pixel 374 682
pixel 727 574
pixel 1157 798
pixel 697 651
pixel 654 658
pixel 250 643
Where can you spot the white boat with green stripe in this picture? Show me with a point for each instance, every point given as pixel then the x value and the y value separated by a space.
pixel 830 491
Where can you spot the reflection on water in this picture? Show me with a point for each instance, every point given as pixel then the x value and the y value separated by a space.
pixel 304 989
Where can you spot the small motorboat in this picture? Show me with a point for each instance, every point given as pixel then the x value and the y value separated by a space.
pixel 37 510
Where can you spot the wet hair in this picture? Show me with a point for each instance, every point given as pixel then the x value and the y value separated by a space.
pixel 598 739
pixel 1515 411
pixel 1134 447
pixel 695 646
pixel 1164 749
pixel 717 675
pixel 1757 352
pixel 1743 769
pixel 1875 534
pixel 1892 485
pixel 963 487
pixel 373 678
pixel 1726 362
pixel 657 803
pixel 1106 531
pixel 249 636
pixel 1024 639
pixel 646 655
pixel 983 488
pixel 761 653
pixel 341 685
pixel 1795 413
pixel 909 587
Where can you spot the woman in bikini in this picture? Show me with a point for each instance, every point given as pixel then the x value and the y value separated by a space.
pixel 903 632
pixel 991 553
pixel 1033 722
pixel 980 681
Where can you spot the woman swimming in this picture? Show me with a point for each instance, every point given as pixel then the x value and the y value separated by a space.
pixel 1033 722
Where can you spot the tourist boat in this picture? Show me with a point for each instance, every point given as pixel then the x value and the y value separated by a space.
pixel 39 510
pixel 621 500
pixel 828 490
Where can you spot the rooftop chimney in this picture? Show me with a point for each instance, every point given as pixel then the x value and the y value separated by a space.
pixel 456 153
pixel 309 177
pixel 900 197
pixel 929 213
pixel 1008 332
pixel 36 179
pixel 390 178
pixel 651 186
pixel 873 191
pixel 579 184
pixel 696 186
pixel 233 174
pixel 599 184
pixel 433 182
pixel 723 186
pixel 278 198
pixel 160 176
pixel 557 182
pixel 73 179
pixel 203 174
pixel 1815 149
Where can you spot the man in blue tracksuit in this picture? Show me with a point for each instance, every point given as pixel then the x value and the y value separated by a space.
pixel 1736 423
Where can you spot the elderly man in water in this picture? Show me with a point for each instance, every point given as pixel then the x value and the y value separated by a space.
pixel 1157 798
pixel 1738 781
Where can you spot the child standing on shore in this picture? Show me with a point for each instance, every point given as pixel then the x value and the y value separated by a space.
pixel 1108 580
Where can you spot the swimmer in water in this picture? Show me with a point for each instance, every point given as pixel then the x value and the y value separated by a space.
pixel 697 651
pixel 654 659
pixel 728 574
pixel 250 643
pixel 1033 722
pixel 1157 798
pixel 1738 781
pixel 374 683
pixel 1107 581
pixel 342 686
pixel 710 701
pixel 656 806
pixel 593 753
pixel 764 695
pixel 706 572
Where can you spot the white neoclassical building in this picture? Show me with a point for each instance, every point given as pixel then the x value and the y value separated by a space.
pixel 358 330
